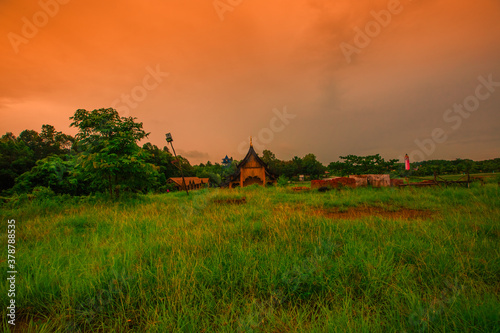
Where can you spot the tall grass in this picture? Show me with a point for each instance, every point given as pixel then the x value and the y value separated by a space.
pixel 178 263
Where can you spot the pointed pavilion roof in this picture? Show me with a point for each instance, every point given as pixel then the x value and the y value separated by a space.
pixel 251 152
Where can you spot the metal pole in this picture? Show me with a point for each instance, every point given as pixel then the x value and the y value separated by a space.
pixel 180 167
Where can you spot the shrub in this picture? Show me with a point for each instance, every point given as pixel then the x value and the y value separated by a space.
pixel 283 180
pixel 42 192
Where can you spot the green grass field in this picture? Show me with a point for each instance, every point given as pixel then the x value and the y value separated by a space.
pixel 259 260
pixel 487 177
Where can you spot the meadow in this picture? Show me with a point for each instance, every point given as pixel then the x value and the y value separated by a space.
pixel 259 260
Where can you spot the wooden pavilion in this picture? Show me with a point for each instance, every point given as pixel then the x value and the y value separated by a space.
pixel 251 170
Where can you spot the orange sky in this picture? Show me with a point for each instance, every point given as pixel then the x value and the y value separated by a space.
pixel 228 71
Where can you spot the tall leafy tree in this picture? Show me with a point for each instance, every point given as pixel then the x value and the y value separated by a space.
pixel 164 160
pixel 15 158
pixel 312 166
pixel 55 142
pixel 357 165
pixel 19 154
pixel 297 165
pixel 48 142
pixel 56 172
pixel 272 162
pixel 111 158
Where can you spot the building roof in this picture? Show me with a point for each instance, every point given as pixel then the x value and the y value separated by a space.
pixel 251 152
pixel 189 180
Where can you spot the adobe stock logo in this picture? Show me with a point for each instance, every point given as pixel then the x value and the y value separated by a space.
pixel 455 116
pixel 372 29
pixel 277 124
pixel 140 92
pixel 221 7
pixel 30 28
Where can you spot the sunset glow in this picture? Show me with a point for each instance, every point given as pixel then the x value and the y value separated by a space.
pixel 353 77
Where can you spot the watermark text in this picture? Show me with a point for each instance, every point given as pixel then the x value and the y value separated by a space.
pixel 31 27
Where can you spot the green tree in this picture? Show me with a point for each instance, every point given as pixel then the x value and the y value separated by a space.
pixel 53 172
pixel 215 172
pixel 357 165
pixel 312 166
pixel 15 159
pixel 111 159
pixel 268 156
pixel 19 155
pixel 297 165
pixel 48 142
pixel 288 169
pixel 272 162
pixel 161 158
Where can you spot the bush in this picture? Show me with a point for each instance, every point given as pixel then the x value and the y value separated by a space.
pixel 52 172
pixel 42 192
pixel 169 187
pixel 283 180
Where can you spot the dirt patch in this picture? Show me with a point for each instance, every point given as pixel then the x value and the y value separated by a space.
pixel 232 201
pixel 301 189
pixel 359 212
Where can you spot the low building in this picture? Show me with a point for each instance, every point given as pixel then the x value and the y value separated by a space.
pixel 333 183
pixel 373 180
pixel 192 183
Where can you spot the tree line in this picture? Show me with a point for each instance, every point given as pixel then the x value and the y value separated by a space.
pixel 104 156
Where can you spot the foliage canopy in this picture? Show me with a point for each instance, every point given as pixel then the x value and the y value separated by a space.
pixel 111 158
